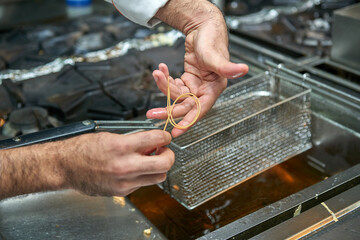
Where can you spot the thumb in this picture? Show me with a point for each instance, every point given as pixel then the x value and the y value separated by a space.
pixel 223 67
pixel 232 70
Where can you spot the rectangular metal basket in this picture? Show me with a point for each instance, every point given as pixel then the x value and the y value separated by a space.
pixel 253 126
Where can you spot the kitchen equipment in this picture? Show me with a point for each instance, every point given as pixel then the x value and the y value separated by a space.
pixel 254 125
pixel 74 129
pixel 346 36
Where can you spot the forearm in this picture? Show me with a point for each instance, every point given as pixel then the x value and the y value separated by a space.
pixel 187 15
pixel 30 169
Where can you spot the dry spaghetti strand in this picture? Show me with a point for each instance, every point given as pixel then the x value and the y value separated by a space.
pixel 170 108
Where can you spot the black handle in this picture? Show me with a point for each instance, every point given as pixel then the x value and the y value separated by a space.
pixel 48 135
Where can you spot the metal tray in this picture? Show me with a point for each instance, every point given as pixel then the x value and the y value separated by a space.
pixel 254 125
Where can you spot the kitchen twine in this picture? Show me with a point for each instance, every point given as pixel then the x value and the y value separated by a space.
pixel 170 108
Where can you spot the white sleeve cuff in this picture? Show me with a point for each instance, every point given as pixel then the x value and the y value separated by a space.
pixel 140 11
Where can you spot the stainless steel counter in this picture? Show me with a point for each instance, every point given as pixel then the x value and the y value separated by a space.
pixel 71 215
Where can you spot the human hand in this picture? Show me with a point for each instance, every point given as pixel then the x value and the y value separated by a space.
pixel 115 165
pixel 97 164
pixel 206 62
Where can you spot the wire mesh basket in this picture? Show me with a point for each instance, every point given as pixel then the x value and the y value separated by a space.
pixel 253 126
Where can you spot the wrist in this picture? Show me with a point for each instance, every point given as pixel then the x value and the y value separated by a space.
pixel 189 15
pixel 53 167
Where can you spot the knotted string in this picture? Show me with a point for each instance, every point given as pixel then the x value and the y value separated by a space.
pixel 170 108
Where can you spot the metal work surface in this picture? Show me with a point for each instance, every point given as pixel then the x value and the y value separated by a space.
pixel 71 215
pixel 255 124
pixel 319 218
pixel 269 216
pixel 348 226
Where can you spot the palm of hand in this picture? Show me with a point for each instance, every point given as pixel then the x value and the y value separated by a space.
pixel 206 68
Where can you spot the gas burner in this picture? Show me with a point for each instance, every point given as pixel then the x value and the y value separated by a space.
pixel 315 33
pixel 120 87
pixel 301 26
pixel 6 105
pixel 319 25
pixel 313 39
pixel 97 67
pixel 29 47
pixel 26 120
pixel 92 42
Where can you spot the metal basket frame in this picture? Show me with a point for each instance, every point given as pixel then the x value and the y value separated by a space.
pixel 200 157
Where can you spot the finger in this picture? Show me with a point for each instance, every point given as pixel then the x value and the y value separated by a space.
pixel 159 163
pixel 162 83
pixel 191 81
pixel 163 67
pixel 165 70
pixel 206 103
pixel 125 187
pixel 217 62
pixel 187 108
pixel 157 113
pixel 138 165
pixel 122 193
pixel 232 70
pixel 181 85
pixel 179 82
pixel 142 142
pixel 187 120
pixel 179 110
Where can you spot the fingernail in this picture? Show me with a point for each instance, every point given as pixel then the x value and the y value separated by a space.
pixel 156 79
pixel 237 75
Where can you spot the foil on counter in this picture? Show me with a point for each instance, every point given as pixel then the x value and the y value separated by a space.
pixel 268 14
pixel 120 49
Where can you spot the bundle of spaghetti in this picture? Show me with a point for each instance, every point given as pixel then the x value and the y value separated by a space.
pixel 170 108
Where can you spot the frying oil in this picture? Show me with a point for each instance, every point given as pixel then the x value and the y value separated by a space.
pixel 176 222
